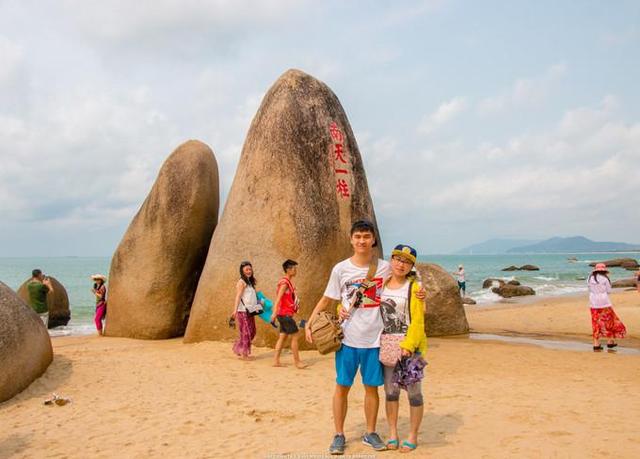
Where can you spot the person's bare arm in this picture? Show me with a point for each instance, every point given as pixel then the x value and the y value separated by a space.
pixel 324 303
pixel 239 289
pixel 276 305
pixel 48 283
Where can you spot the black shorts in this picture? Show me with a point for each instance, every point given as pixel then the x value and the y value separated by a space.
pixel 287 325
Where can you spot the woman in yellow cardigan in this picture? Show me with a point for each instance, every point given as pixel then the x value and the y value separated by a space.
pixel 403 316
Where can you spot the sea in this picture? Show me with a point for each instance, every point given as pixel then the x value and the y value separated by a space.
pixel 560 274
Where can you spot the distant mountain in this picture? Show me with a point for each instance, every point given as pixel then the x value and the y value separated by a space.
pixel 493 246
pixel 573 244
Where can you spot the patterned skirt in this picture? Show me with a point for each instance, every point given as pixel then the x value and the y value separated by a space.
pixel 605 323
pixel 247 329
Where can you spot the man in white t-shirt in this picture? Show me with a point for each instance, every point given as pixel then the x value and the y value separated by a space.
pixel 362 328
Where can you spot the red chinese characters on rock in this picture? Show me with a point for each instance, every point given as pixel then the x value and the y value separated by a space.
pixel 339 161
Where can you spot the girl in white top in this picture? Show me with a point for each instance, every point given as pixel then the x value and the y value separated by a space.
pixel 245 295
pixel 604 321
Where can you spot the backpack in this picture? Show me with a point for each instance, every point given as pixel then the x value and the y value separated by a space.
pixel 326 333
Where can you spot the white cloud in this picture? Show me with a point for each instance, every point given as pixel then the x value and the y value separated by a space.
pixel 122 21
pixel 11 58
pixel 621 37
pixel 446 112
pixel 563 179
pixel 525 92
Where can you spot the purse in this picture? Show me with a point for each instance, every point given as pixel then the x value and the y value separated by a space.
pixel 390 350
pixel 326 333
pixel 253 309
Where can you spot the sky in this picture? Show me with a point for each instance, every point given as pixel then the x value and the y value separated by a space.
pixel 475 120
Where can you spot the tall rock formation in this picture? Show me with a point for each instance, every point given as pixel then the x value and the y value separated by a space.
pixel 445 312
pixel 299 185
pixel 58 302
pixel 25 346
pixel 155 269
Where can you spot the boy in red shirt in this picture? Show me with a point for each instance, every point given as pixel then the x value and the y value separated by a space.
pixel 286 305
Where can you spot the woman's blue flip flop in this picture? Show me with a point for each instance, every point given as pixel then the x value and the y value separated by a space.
pixel 407 446
pixel 392 444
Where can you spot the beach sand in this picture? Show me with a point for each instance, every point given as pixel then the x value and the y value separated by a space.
pixel 140 399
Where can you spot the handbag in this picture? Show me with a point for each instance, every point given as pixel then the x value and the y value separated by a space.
pixel 253 309
pixel 390 350
pixel 326 333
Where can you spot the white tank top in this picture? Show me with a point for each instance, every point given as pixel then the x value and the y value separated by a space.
pixel 248 297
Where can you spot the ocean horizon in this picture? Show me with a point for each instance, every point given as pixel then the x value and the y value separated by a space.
pixel 558 276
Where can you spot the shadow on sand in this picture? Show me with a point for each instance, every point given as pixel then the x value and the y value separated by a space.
pixel 56 375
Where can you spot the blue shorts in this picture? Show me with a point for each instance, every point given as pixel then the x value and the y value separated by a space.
pixel 348 359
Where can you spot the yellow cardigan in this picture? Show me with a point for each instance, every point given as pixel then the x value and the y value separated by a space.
pixel 416 338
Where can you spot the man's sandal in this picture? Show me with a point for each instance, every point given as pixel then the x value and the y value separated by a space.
pixel 407 446
pixel 392 444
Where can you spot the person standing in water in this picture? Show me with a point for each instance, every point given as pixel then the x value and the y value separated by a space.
pixel 462 283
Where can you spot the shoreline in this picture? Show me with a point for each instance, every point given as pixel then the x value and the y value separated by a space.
pixel 528 300
pixel 558 317
pixel 531 299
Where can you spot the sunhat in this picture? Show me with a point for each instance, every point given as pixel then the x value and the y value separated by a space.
pixel 459 266
pixel 102 277
pixel 601 267
pixel 406 251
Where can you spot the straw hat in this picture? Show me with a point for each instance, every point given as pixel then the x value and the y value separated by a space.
pixel 102 277
pixel 601 267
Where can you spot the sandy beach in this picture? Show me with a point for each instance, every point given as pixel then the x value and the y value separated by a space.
pixel 484 399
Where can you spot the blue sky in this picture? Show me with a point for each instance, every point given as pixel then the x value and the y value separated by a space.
pixel 475 119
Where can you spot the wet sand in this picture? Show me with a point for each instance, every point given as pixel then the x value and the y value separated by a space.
pixel 484 399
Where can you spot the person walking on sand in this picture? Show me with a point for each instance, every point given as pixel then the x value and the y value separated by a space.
pixel 403 337
pixel 100 291
pixel 38 287
pixel 604 321
pixel 286 305
pixel 462 284
pixel 638 280
pixel 245 300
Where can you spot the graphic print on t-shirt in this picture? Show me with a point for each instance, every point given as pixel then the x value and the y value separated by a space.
pixel 371 296
pixel 395 316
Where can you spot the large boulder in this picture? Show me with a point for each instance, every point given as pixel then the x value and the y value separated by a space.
pixel 629 264
pixel 156 267
pixel 618 262
pixel 445 312
pixel 299 185
pixel 25 346
pixel 528 268
pixel 58 302
pixel 623 283
pixel 510 268
pixel 508 290
pixel 488 283
pixel 513 282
